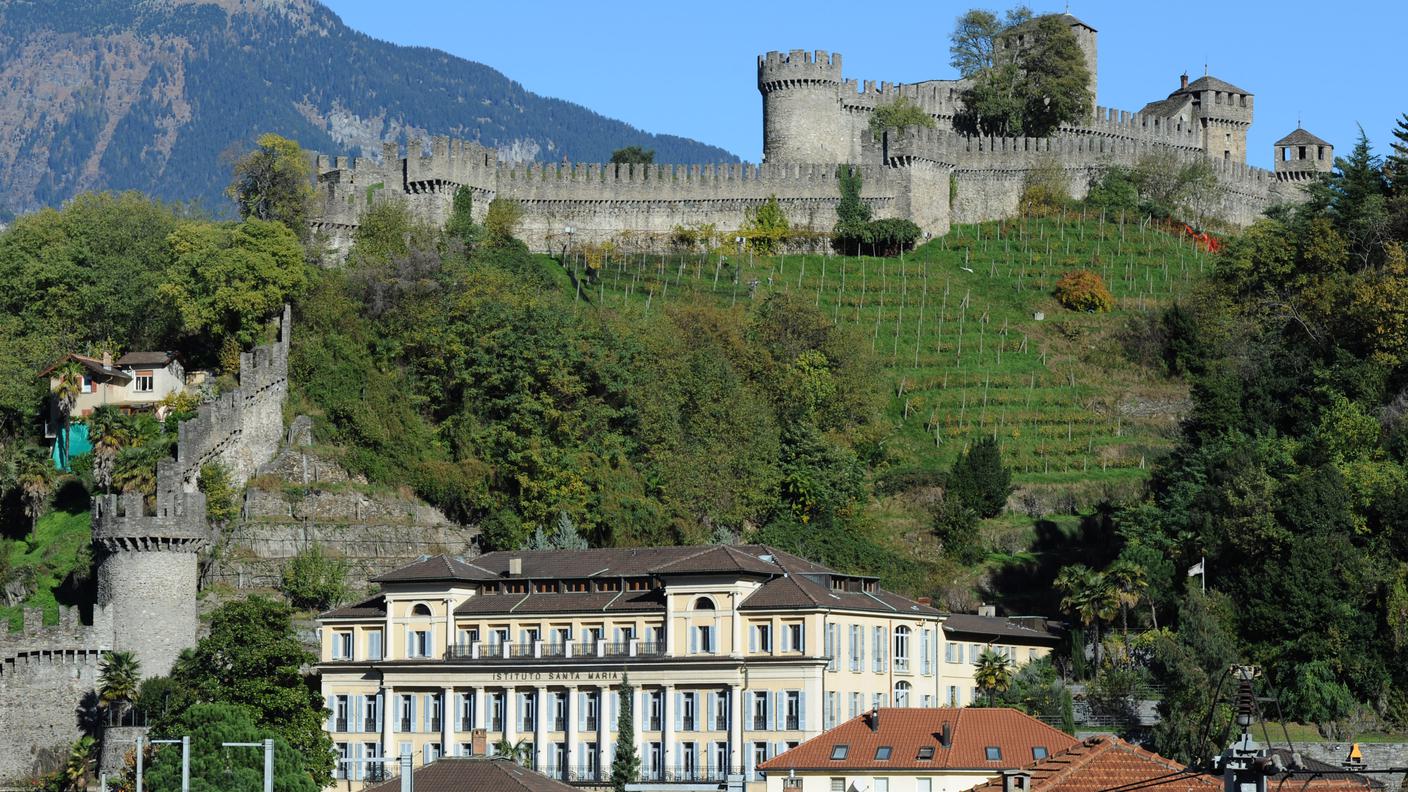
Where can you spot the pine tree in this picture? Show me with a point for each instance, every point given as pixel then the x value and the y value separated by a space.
pixel 625 766
pixel 1396 165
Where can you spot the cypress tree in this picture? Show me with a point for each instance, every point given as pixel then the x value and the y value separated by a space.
pixel 625 766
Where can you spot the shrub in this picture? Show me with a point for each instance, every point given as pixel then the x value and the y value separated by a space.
pixel 1083 290
pixel 501 222
pixel 898 114
pixel 1046 191
pixel 313 580
pixel 221 504
pixel 766 226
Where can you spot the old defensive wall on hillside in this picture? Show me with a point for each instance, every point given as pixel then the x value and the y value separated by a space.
pixel 146 554
pixel 815 120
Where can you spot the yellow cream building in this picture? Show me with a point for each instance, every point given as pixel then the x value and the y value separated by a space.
pixel 735 654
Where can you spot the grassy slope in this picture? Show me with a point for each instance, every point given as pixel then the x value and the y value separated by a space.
pixel 961 352
pixel 57 547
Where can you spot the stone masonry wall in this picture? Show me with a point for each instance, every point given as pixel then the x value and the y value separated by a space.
pixel 47 678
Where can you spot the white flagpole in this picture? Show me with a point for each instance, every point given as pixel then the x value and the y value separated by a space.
pixel 1203 562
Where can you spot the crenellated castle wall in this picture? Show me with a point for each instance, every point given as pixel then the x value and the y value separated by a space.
pixel 47 677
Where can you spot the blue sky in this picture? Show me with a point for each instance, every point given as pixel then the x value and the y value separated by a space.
pixel 689 68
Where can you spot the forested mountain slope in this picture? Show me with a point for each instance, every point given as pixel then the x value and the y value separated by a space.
pixel 147 95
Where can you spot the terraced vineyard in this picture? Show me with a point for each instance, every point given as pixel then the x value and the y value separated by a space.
pixel 969 338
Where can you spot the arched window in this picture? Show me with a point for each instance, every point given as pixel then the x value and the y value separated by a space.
pixel 704 603
pixel 420 609
pixel 901 648
pixel 901 694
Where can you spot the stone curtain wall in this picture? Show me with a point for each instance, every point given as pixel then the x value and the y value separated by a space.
pixel 240 429
pixel 47 679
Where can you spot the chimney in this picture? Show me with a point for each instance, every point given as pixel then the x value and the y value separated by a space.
pixel 107 359
pixel 925 600
pixel 1016 781
pixel 946 736
pixel 987 610
pixel 1183 81
pixel 515 566
pixel 873 719
pixel 479 742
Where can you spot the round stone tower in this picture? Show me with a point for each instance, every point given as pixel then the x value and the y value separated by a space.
pixel 147 572
pixel 802 116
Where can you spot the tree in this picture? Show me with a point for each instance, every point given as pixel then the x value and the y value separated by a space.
pixel 766 226
pixel 314 580
pixel 69 384
pixel 993 673
pixel 221 503
pixel 979 480
pixel 228 280
pixel 973 46
pixel 501 223
pixel 35 476
pixel 1128 582
pixel 1396 164
pixel 633 155
pixel 1037 79
pixel 215 768
pixel 1358 200
pixel 252 658
pixel 625 766
pixel 461 224
pixel 273 183
pixel 898 114
pixel 520 752
pixel 119 678
pixel 107 432
pixel 78 765
pixel 1086 595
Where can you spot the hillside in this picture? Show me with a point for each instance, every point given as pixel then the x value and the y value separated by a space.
pixel 148 95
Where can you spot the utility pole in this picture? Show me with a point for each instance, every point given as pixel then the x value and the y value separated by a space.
pixel 1246 764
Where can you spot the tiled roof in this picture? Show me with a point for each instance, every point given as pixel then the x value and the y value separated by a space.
pixel 461 774
pixel 145 359
pixel 1330 778
pixel 788 580
pixel 566 602
pixel 1167 108
pixel 374 607
pixel 439 567
pixel 93 365
pixel 1103 763
pixel 907 730
pixel 1210 83
pixel 989 628
pixel 1301 138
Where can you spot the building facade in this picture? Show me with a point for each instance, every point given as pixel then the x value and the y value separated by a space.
pixel 916 750
pixel 734 654
pixel 968 635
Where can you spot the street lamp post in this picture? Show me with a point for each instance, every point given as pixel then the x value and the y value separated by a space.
pixel 569 230
pixel 268 746
pixel 185 743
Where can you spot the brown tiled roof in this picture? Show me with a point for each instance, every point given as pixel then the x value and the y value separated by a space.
pixel 439 567
pixel 788 580
pixel 376 606
pixel 466 774
pixel 1300 138
pixel 93 365
pixel 995 628
pixel 145 359
pixel 1167 108
pixel 566 602
pixel 1104 763
pixel 1329 778
pixel 906 730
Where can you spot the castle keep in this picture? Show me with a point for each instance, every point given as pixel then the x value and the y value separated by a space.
pixel 814 119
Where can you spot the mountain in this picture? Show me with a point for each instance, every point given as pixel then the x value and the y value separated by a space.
pixel 156 95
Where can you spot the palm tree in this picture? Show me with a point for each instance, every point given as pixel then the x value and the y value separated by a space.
pixel 119 677
pixel 517 751
pixel 1128 582
pixel 69 383
pixel 35 476
pixel 78 764
pixel 107 431
pixel 1087 596
pixel 994 673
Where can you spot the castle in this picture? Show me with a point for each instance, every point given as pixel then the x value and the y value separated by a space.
pixel 815 119
pixel 147 575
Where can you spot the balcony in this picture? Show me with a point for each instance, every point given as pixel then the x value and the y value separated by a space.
pixel 466 723
pixel 558 724
pixel 340 724
pixel 760 723
pixel 538 650
pixel 683 775
pixel 587 776
pixel 591 723
pixel 405 725
pixel 370 725
pixel 792 723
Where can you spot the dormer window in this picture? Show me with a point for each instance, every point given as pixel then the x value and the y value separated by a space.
pixel 638 584
pixel 545 587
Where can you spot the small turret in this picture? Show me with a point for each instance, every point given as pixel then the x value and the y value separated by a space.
pixel 1301 156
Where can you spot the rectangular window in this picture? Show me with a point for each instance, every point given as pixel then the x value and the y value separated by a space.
pixel 705 638
pixel 762 638
pixel 87 386
pixel 143 382
pixel 794 710
pixel 1039 752
pixel 882 785
pixel 403 713
pixel 924 785
pixel 688 711
pixel 953 695
pixel 882 754
pixel 654 700
pixel 593 710
pixel 496 711
pixel 833 703
pixel 760 753
pixel 369 714
pixel 340 713
pixel 721 711
pixel 993 753
pixel 344 767
pixel 374 645
pixel 719 757
pixel 796 638
pixel 559 712
pixel 432 706
pixel 833 641
pixel 974 653
pixel 838 785
pixel 342 646
pixel 760 710
pixel 854 709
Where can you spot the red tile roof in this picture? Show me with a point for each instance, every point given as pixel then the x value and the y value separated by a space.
pixel 906 730
pixel 456 774
pixel 1100 764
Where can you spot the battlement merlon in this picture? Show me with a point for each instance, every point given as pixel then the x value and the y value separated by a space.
pixel 798 66
pixel 125 522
